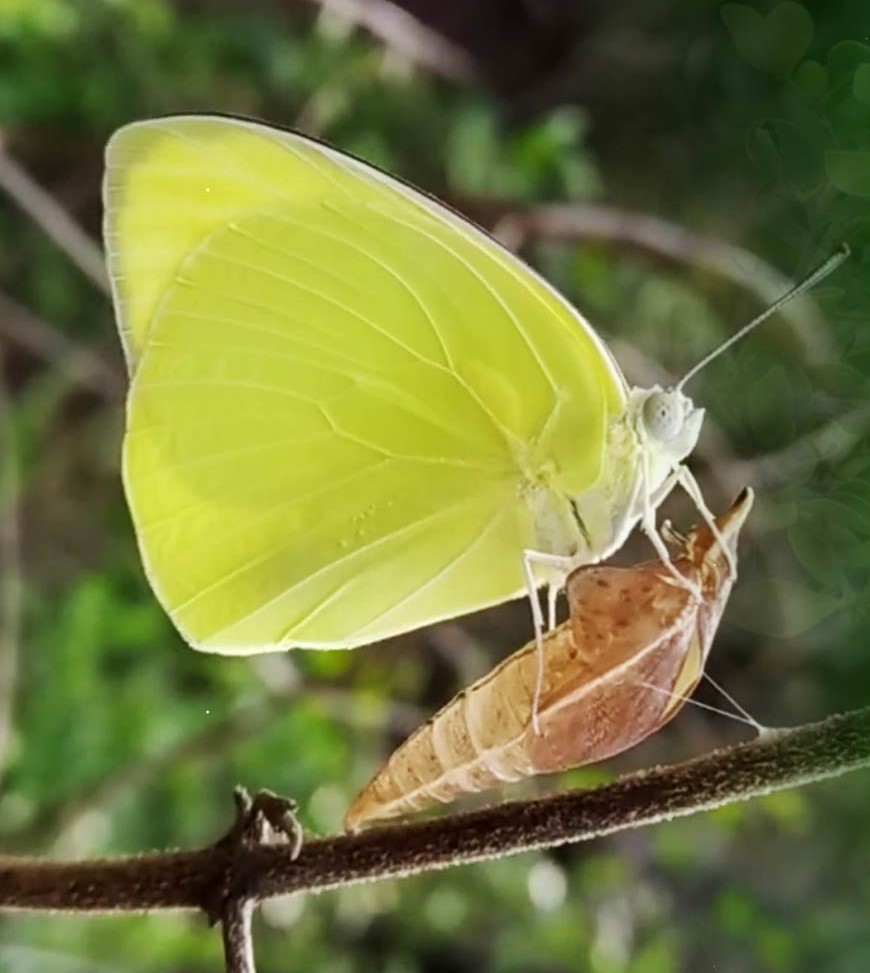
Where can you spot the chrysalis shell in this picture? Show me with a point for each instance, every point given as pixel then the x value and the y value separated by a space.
pixel 635 644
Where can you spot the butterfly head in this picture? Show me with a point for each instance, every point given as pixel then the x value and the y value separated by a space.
pixel 668 422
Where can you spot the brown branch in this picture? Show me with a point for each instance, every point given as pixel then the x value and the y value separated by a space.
pixel 53 219
pixel 11 591
pixel 187 880
pixel 401 32
pixel 263 819
pixel 81 364
pixel 827 444
pixel 236 935
pixel 650 235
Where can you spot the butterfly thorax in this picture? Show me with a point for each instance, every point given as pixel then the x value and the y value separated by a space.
pixel 643 446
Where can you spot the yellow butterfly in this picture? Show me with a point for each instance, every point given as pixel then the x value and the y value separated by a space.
pixel 353 413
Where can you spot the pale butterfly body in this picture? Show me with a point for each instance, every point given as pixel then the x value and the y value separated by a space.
pixel 352 413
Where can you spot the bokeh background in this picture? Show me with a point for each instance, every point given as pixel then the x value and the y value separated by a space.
pixel 669 165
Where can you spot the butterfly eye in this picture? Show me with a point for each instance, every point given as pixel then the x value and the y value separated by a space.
pixel 663 416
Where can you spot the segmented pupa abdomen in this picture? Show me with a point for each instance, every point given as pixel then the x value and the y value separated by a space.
pixel 471 744
pixel 593 670
pixel 634 647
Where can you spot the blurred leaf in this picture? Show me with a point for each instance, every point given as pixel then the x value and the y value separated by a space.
pixel 861 84
pixel 776 949
pixel 659 955
pixel 770 408
pixel 849 512
pixel 735 913
pixel 785 154
pixel 844 60
pixel 775 43
pixel 839 379
pixel 848 116
pixel 812 79
pixel 817 546
pixel 849 171
pixel 781 607
pixel 789 809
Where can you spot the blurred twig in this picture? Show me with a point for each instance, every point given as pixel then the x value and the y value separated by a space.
pixel 218 737
pixel 53 219
pixel 11 590
pixel 80 363
pixel 402 33
pixel 187 880
pixel 653 236
pixel 54 826
pixel 827 444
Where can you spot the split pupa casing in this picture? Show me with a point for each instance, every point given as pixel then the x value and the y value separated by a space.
pixel 633 648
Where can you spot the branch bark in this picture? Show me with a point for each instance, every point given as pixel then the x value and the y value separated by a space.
pixel 236 934
pixel 187 880
pixel 82 365
pixel 53 219
pixel 400 31
pixel 11 584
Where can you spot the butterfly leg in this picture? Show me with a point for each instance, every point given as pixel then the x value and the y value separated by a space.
pixel 563 565
pixel 552 598
pixel 688 482
pixel 648 526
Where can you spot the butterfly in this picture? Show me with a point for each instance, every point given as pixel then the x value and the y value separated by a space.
pixel 621 667
pixel 353 413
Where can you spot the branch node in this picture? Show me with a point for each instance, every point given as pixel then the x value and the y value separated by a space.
pixel 264 819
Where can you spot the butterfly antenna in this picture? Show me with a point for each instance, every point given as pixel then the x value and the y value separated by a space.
pixel 740 709
pixel 747 720
pixel 819 274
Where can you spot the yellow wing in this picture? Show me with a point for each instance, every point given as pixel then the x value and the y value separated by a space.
pixel 342 392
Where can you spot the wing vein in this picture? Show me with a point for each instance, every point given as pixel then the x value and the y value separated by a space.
pixel 436 515
pixel 287 503
pixel 441 572
pixel 433 324
pixel 219 161
pixel 494 294
pixel 315 293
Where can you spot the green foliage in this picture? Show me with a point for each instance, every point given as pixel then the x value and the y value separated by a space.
pixel 774 43
pixel 757 132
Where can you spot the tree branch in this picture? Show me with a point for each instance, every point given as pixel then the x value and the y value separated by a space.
pixel 187 880
pixel 11 585
pixel 264 818
pixel 236 935
pixel 53 219
pixel 82 365
pixel 400 31
pixel 654 237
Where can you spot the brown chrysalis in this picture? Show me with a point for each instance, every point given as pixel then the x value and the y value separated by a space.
pixel 633 648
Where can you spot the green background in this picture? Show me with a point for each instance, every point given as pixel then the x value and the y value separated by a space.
pixel 745 124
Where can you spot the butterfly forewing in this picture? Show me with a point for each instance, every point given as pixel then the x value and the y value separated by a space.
pixel 342 392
